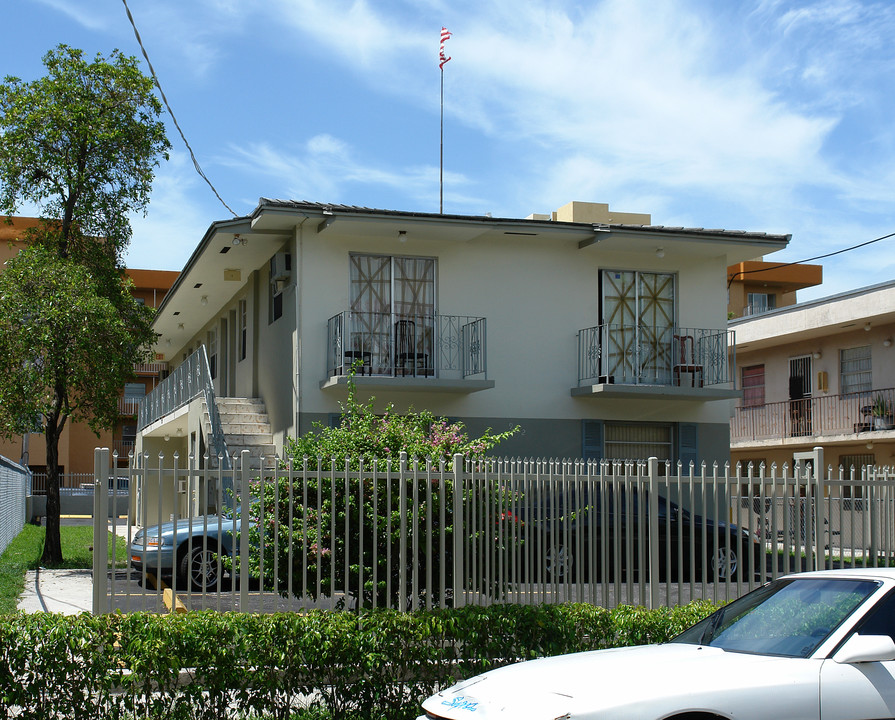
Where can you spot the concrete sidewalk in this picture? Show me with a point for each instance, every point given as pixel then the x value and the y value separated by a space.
pixel 58 591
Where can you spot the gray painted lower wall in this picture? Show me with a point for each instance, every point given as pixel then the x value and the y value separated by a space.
pixel 539 438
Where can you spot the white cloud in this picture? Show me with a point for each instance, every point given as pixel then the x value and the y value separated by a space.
pixel 90 14
pixel 175 221
pixel 326 168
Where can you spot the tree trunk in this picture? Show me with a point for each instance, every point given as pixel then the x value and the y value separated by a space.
pixel 52 554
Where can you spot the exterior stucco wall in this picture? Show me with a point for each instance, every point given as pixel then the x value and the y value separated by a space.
pixel 536 295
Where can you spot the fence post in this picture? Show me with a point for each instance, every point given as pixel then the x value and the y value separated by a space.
pixel 459 597
pixel 245 499
pixel 819 512
pixel 100 531
pixel 653 537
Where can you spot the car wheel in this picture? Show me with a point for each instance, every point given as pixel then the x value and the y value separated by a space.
pixel 200 567
pixel 558 562
pixel 724 563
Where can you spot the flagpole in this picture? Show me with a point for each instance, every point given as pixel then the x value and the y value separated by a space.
pixel 445 35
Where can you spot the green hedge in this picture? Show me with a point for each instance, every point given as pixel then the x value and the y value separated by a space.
pixel 378 664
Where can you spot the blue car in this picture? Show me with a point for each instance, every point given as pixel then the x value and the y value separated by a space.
pixel 191 548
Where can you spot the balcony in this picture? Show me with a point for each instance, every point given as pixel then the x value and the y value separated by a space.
pixel 639 361
pixel 845 417
pixel 152 368
pixel 129 405
pixel 438 353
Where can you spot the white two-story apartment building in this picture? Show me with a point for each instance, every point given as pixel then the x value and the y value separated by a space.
pixel 599 334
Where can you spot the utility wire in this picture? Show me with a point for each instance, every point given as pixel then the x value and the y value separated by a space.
pixel 170 111
pixel 816 257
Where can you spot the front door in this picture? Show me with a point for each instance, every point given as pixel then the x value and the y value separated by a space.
pixel 637 310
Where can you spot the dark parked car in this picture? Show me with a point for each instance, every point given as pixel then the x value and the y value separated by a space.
pixel 579 537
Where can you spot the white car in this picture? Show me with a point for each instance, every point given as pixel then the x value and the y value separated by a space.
pixel 817 645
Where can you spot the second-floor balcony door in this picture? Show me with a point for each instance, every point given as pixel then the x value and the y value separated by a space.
pixel 800 390
pixel 393 306
pixel 638 323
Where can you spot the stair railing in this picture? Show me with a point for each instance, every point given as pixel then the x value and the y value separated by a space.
pixel 189 380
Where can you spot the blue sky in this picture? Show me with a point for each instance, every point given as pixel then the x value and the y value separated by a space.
pixel 757 115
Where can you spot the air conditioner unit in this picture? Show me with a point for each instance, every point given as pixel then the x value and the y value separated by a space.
pixel 280 267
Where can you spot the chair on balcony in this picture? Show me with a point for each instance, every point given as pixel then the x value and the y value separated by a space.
pixel 685 360
pixel 407 352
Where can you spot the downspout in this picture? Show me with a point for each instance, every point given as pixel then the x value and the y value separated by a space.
pixel 298 270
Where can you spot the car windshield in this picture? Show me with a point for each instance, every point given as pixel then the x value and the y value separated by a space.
pixel 789 617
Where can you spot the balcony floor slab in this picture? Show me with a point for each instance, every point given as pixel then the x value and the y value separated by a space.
pixel 648 392
pixel 409 384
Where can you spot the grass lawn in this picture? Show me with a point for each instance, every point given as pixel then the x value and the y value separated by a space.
pixel 24 553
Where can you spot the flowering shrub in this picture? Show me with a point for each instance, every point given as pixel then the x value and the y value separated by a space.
pixel 365 435
pixel 379 536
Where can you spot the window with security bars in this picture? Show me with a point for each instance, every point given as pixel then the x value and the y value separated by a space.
pixel 851 466
pixel 753 385
pixel 638 441
pixel 855 370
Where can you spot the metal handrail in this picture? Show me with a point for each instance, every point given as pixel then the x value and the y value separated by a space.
pixel 645 355
pixel 440 346
pixel 845 414
pixel 189 380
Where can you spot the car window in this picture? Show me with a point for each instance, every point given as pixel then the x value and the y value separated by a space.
pixel 881 619
pixel 788 617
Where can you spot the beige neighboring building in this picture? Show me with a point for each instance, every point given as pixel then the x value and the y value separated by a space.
pixel 818 373
pixel 600 334
pixel 77 442
pixel 758 286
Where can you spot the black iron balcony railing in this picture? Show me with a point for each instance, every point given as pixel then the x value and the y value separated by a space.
pixel 827 415
pixel 437 346
pixel 644 355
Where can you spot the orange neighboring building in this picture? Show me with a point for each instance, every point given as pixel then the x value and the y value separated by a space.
pixel 77 441
pixel 756 286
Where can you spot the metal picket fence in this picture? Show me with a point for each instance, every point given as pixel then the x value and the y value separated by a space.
pixel 343 534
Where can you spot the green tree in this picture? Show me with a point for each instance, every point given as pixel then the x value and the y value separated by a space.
pixel 331 522
pixel 81 144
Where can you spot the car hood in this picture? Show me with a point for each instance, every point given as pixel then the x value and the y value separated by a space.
pixel 599 681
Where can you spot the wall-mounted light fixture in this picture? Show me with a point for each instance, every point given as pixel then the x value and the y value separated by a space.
pixel 866 327
pixel 402 235
pixel 816 355
pixel 887 342
pixel 870 445
pixel 204 300
pixel 660 253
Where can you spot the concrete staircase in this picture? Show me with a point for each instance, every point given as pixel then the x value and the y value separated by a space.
pixel 246 427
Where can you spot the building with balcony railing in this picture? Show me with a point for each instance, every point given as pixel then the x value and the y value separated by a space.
pixel 818 373
pixel 474 318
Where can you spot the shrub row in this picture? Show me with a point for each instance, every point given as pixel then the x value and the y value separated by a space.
pixel 377 664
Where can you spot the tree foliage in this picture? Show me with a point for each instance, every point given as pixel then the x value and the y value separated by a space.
pixel 54 319
pixel 82 144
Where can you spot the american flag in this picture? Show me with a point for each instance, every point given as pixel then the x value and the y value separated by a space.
pixel 445 35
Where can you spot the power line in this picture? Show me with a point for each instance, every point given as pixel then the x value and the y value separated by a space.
pixel 816 257
pixel 170 111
